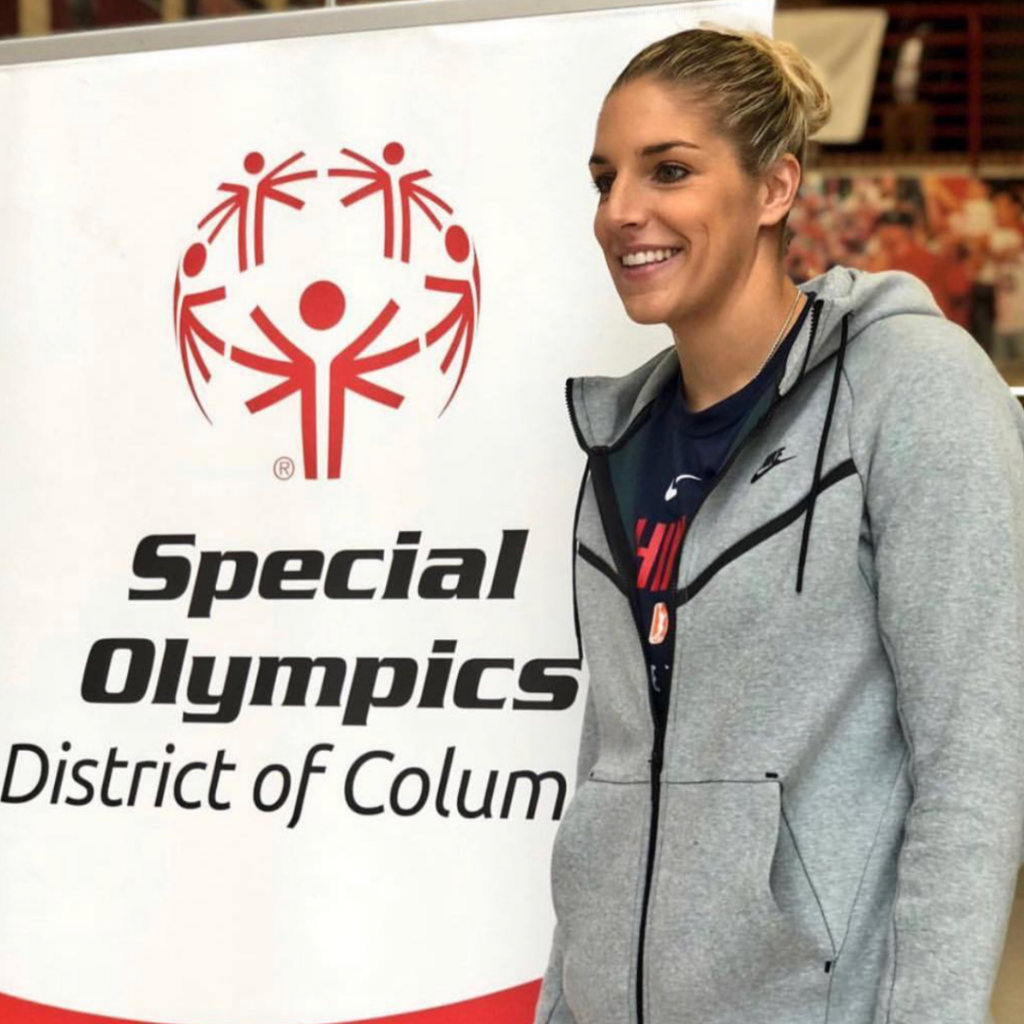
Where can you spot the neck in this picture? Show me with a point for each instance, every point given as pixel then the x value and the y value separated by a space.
pixel 722 349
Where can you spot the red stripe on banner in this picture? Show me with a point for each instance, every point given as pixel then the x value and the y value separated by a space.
pixel 510 1006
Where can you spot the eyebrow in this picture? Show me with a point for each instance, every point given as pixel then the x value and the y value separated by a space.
pixel 659 147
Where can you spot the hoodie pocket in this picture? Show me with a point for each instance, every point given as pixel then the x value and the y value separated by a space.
pixel 720 949
pixel 597 876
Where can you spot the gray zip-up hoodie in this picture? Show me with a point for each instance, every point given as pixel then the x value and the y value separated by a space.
pixel 827 827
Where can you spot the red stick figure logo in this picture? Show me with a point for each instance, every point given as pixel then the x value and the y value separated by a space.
pixel 307 349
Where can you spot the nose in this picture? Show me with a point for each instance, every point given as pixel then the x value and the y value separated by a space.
pixel 624 206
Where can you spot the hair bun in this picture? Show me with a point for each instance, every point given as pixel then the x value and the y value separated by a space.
pixel 801 76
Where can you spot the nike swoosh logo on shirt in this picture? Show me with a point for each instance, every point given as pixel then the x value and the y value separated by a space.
pixel 672 491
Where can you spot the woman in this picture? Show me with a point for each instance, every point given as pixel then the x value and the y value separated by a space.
pixel 801 774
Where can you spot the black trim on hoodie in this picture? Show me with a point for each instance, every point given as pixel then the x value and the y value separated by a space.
pixel 767 530
pixel 602 566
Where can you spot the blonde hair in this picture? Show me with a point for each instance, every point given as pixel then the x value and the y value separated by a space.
pixel 762 94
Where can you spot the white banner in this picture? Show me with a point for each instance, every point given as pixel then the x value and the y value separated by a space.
pixel 289 679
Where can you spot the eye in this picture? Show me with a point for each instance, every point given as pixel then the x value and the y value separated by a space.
pixel 602 183
pixel 674 167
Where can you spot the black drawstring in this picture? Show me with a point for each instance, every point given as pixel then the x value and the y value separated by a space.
pixel 816 482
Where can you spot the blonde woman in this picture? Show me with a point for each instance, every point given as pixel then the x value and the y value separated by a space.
pixel 799 586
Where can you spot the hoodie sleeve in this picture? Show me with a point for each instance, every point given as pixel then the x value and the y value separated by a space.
pixel 943 464
pixel 551 1007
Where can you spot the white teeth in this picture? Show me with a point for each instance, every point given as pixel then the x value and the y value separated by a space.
pixel 636 259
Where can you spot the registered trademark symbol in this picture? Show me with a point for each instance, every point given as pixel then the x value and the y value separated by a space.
pixel 284 468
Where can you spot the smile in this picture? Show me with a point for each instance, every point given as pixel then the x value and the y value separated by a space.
pixel 645 270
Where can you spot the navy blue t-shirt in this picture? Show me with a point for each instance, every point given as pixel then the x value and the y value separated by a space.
pixel 684 453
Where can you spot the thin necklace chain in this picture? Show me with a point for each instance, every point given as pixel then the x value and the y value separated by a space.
pixel 782 331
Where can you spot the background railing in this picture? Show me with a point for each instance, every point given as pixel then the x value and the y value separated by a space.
pixel 970 103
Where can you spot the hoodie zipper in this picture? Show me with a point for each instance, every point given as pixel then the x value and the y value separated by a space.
pixel 661 724
pixel 656 759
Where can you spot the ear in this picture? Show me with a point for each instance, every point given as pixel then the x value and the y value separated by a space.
pixel 779 184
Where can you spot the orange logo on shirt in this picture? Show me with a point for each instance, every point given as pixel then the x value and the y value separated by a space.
pixel 659 623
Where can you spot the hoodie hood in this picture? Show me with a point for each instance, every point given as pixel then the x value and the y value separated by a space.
pixel 603 409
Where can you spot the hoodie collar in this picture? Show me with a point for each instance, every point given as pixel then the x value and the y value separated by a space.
pixel 605 410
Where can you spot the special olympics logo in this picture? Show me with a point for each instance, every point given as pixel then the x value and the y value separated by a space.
pixel 316 291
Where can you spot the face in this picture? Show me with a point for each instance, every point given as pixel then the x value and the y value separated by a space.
pixel 667 180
